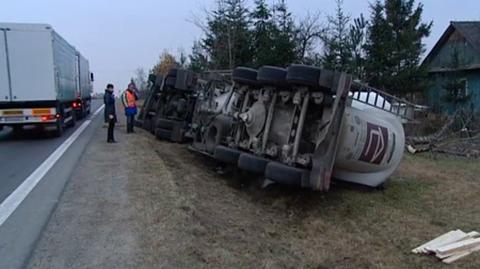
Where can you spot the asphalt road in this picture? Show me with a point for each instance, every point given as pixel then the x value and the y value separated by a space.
pixel 21 154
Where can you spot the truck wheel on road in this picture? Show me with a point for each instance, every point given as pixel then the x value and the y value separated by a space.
pixel 59 128
pixel 17 129
pixel 71 123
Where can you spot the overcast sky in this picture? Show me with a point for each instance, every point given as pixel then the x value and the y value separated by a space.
pixel 119 36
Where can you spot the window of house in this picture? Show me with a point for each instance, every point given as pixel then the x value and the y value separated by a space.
pixel 462 91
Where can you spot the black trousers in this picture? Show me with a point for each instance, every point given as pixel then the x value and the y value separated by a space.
pixel 111 126
pixel 130 123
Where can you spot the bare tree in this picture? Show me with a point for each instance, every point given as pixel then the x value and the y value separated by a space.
pixel 140 79
pixel 310 30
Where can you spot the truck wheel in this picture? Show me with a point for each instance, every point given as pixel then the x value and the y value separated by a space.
pixel 74 118
pixel 285 174
pixel 163 134
pixel 272 76
pixel 304 75
pixel 252 163
pixel 165 124
pixel 246 76
pixel 226 155
pixel 172 72
pixel 17 129
pixel 171 82
pixel 147 124
pixel 1 128
pixel 59 129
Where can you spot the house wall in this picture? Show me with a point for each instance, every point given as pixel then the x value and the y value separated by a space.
pixel 468 56
pixel 436 91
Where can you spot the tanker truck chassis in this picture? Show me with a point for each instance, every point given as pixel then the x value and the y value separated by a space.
pixel 302 126
pixel 168 108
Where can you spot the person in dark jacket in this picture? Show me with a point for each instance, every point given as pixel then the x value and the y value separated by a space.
pixel 109 100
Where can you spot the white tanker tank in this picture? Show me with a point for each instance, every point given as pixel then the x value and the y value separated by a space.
pixel 371 146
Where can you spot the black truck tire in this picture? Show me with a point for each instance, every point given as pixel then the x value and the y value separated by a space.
pixel 163 134
pixel 172 72
pixel 171 82
pixel 147 123
pixel 272 76
pixel 252 163
pixel 304 75
pixel 245 76
pixel 165 124
pixel 58 128
pixel 286 175
pixel 226 155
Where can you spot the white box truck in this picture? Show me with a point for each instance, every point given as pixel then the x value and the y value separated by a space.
pixel 43 79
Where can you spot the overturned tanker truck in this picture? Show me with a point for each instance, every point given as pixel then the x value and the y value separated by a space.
pixel 301 126
pixel 168 109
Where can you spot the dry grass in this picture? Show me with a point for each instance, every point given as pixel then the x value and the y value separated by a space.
pixel 191 217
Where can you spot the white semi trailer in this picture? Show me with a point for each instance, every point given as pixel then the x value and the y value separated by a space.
pixel 43 79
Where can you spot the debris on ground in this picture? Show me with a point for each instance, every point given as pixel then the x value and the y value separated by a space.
pixel 456 137
pixel 451 246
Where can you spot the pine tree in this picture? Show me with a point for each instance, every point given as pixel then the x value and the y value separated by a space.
pixel 228 35
pixel 263 43
pixel 216 41
pixel 284 35
pixel 198 58
pixel 337 54
pixel 395 46
pixel 356 43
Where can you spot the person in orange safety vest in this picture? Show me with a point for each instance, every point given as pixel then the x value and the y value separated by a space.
pixel 129 101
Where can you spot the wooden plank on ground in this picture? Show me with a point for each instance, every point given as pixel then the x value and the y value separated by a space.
pixel 446 238
pixel 458 246
pixel 470 235
pixel 463 254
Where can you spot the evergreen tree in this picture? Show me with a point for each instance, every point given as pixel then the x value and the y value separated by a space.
pixel 198 58
pixel 228 36
pixel 263 43
pixel 337 53
pixel 356 43
pixel 284 35
pixel 395 46
pixel 216 41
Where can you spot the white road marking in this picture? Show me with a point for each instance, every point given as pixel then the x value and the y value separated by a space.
pixel 11 203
